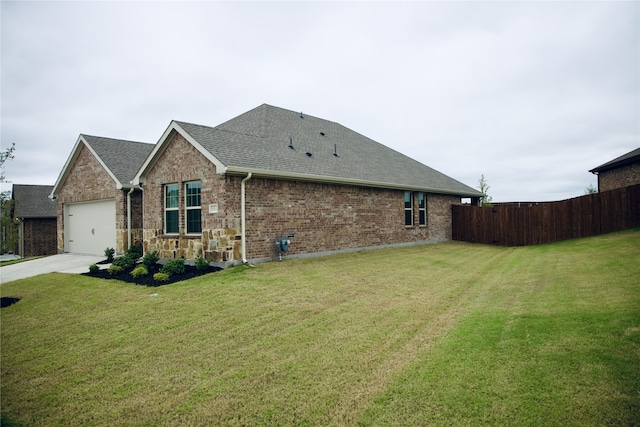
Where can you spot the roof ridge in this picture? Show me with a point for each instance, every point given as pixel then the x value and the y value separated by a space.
pixel 84 135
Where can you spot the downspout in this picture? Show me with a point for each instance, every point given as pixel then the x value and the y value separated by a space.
pixel 129 218
pixel 243 219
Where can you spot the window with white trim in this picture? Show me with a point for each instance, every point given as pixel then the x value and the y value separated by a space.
pixel 171 212
pixel 193 210
pixel 422 209
pixel 408 208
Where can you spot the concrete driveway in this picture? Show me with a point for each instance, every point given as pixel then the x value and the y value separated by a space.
pixel 63 263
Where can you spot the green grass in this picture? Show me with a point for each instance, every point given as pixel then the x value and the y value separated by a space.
pixel 18 261
pixel 447 334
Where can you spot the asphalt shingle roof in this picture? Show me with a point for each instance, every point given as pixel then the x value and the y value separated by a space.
pixel 32 201
pixel 123 158
pixel 261 139
pixel 631 156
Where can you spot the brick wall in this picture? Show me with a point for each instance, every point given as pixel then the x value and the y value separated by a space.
pixel 220 238
pixel 324 217
pixel 39 236
pixel 87 180
pixel 328 217
pixel 619 177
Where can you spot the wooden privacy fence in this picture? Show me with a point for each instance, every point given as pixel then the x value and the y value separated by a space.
pixel 521 224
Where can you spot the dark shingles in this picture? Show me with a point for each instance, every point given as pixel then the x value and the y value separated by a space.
pixel 32 201
pixel 260 139
pixel 123 158
pixel 630 157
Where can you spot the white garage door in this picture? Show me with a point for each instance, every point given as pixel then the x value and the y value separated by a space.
pixel 90 227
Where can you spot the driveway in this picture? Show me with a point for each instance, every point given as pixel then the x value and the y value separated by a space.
pixel 63 263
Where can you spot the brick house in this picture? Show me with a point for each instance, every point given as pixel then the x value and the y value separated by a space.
pixel 35 215
pixel 97 207
pixel 619 172
pixel 227 192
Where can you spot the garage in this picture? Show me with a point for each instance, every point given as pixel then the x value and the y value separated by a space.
pixel 90 227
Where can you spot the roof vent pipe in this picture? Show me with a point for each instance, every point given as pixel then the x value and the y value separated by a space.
pixel 335 150
pixel 301 116
pixel 291 143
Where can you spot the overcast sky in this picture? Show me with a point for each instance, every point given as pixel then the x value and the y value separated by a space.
pixel 530 94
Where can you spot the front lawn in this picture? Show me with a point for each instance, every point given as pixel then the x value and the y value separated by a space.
pixel 446 334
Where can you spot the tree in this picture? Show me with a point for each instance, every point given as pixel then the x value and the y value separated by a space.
pixel 484 187
pixel 591 189
pixel 4 156
pixel 8 228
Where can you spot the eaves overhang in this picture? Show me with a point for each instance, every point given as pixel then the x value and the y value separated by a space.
pixel 71 160
pixel 161 146
pixel 324 179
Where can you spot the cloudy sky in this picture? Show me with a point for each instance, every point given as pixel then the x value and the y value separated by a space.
pixel 530 94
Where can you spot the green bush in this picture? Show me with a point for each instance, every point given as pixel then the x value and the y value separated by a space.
pixel 134 252
pixel 115 269
pixel 139 271
pixel 127 262
pixel 201 263
pixel 161 277
pixel 173 266
pixel 150 259
pixel 109 252
pixel 93 268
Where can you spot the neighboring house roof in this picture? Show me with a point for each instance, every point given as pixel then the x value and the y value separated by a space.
pixel 32 201
pixel 260 142
pixel 121 159
pixel 630 157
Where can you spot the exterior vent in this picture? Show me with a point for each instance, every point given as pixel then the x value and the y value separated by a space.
pixel 322 133
pixel 309 154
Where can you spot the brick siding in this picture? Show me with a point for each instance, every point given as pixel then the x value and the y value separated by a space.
pixel 619 177
pixel 87 180
pixel 39 236
pixel 324 217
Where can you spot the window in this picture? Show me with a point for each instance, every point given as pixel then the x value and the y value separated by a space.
pixel 193 208
pixel 408 208
pixel 171 208
pixel 422 209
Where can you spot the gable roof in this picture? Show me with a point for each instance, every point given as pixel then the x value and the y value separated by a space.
pixel 273 142
pixel 32 201
pixel 630 157
pixel 120 159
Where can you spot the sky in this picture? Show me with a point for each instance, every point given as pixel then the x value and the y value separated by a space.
pixel 532 95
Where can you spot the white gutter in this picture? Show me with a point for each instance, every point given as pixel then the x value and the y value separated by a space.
pixel 296 176
pixel 129 218
pixel 243 219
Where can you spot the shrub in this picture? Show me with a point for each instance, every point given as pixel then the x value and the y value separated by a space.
pixel 139 271
pixel 109 252
pixel 134 252
pixel 150 259
pixel 161 277
pixel 173 266
pixel 126 262
pixel 115 269
pixel 201 263
pixel 93 268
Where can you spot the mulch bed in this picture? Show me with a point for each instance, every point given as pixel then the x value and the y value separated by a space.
pixel 7 301
pixel 190 272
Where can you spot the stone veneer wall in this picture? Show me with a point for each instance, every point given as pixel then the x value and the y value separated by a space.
pixel 87 180
pixel 619 177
